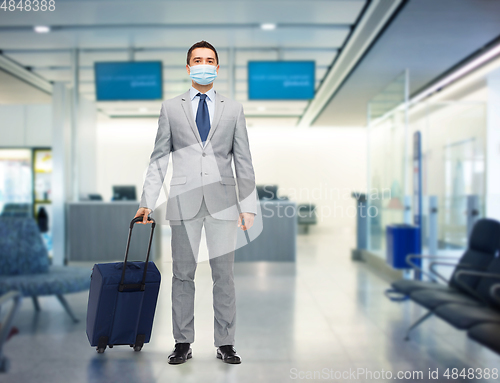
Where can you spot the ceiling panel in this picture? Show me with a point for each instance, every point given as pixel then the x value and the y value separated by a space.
pixel 164 30
pixel 428 37
pixel 37 59
pixel 15 91
pixel 81 12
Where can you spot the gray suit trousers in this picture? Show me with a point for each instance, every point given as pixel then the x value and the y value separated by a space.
pixel 221 242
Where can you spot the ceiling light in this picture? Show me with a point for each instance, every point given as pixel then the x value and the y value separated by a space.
pixel 268 26
pixel 261 108
pixel 143 110
pixel 41 29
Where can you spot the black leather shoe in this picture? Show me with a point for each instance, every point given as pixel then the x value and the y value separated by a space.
pixel 182 352
pixel 228 354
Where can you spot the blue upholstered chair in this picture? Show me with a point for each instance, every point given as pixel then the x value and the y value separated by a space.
pixel 25 265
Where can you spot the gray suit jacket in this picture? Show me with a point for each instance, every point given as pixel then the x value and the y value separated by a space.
pixel 201 170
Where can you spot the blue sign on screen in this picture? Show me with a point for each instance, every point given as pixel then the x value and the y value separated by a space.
pixel 137 80
pixel 280 80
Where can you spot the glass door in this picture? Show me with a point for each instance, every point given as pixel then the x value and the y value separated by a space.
pixel 464 177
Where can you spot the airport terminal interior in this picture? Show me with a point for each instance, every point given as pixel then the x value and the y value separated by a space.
pixel 369 131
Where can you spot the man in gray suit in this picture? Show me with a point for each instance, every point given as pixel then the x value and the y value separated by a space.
pixel 204 131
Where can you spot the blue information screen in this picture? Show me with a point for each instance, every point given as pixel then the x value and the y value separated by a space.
pixel 281 80
pixel 135 80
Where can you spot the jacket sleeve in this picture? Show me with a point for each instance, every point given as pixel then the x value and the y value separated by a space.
pixel 158 162
pixel 242 158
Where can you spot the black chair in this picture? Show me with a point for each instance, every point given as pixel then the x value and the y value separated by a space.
pixel 471 305
pixel 483 245
pixel 488 334
pixel 487 308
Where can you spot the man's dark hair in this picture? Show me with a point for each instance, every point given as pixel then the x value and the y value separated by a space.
pixel 201 44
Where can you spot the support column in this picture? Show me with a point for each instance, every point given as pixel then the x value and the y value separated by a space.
pixel 492 208
pixel 74 126
pixel 61 174
pixel 87 145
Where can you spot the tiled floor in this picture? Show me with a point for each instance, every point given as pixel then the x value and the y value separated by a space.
pixel 324 315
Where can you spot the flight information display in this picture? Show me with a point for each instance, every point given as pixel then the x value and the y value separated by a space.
pixel 281 80
pixel 128 80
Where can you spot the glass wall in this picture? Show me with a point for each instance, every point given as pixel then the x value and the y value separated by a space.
pixel 387 178
pixel 386 161
pixel 453 161
pixel 453 165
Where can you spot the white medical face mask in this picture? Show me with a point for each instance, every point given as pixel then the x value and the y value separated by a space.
pixel 203 74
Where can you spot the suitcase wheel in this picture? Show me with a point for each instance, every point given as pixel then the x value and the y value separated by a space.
pixel 139 342
pixel 101 345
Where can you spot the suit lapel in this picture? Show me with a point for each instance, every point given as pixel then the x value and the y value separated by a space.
pixel 188 111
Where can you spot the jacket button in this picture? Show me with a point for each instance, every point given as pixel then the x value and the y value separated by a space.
pixel 204 154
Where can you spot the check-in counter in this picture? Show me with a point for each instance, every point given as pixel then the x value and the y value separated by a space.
pixel 278 239
pixel 97 231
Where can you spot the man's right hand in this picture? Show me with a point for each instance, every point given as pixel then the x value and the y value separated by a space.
pixel 143 212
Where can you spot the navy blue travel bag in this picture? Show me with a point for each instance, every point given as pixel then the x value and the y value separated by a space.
pixel 122 300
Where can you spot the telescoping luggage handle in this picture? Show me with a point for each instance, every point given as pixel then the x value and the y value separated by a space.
pixel 246 231
pixel 141 285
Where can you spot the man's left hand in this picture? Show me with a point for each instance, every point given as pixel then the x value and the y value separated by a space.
pixel 248 218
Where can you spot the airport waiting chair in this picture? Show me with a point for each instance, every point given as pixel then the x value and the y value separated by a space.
pixel 25 265
pixel 14 209
pixel 488 334
pixel 483 245
pixel 480 257
pixel 487 307
pixel 473 307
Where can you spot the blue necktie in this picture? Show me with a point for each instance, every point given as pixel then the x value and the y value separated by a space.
pixel 203 118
